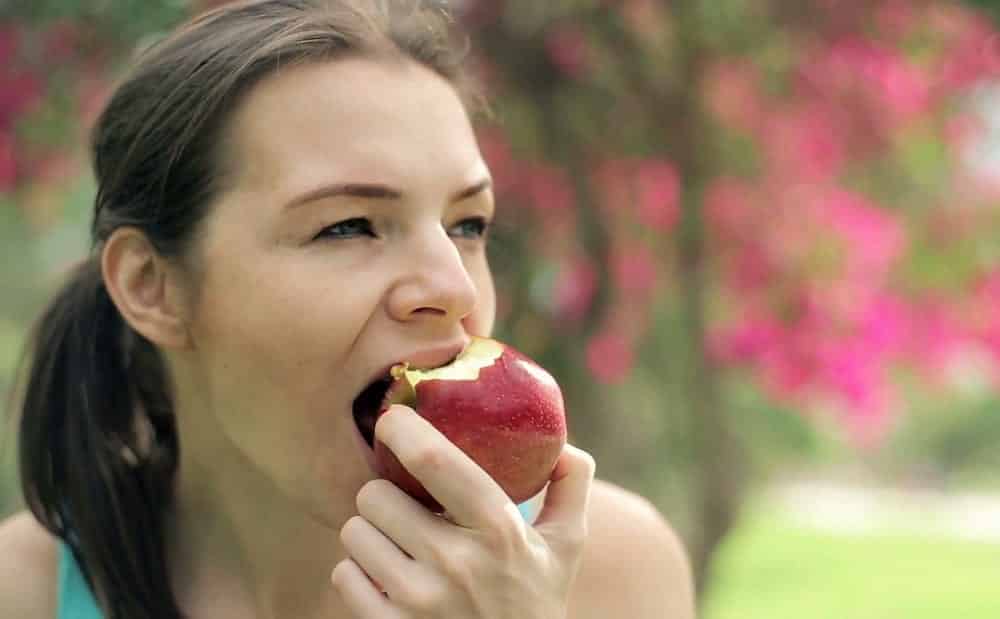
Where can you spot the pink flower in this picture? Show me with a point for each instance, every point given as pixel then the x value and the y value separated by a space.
pixel 569 50
pixel 633 270
pixel 732 94
pixel 836 69
pixel 729 208
pixel 962 129
pixel 752 269
pixel 658 194
pixel 862 70
pixel 895 18
pixel 936 336
pixel 813 355
pixel 19 92
pixel 92 94
pixel 984 319
pixel 886 324
pixel 550 189
pixel 804 144
pixel 610 357
pixel 874 240
pixel 10 39
pixel 496 150
pixel 8 163
pixel 478 15
pixel 903 89
pixel 61 40
pixel 575 287
pixel 787 374
pixel 747 341
pixel 972 48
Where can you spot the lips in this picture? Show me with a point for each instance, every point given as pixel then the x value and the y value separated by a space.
pixel 368 403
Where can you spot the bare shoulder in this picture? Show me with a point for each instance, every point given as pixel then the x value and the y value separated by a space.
pixel 634 564
pixel 27 568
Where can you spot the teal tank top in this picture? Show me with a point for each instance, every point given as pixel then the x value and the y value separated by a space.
pixel 75 599
pixel 77 602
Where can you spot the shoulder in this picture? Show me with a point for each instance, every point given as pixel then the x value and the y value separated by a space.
pixel 28 556
pixel 634 564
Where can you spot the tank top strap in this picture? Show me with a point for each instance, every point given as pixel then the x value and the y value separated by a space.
pixel 75 599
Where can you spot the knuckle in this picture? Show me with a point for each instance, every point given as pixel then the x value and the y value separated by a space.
pixel 419 595
pixel 587 461
pixel 340 575
pixel 426 459
pixel 591 463
pixel 504 535
pixel 369 494
pixel 354 526
pixel 458 560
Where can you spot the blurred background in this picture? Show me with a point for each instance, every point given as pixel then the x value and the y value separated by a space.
pixel 757 242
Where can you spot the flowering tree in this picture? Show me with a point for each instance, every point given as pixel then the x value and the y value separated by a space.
pixel 730 191
pixel 696 197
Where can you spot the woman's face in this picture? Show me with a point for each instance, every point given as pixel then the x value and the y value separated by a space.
pixel 350 239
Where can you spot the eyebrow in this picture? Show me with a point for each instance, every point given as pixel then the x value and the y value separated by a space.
pixel 377 192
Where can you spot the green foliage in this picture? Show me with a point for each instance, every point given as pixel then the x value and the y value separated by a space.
pixel 990 7
pixel 124 20
pixel 954 441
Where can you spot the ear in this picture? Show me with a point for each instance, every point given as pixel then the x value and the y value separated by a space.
pixel 146 288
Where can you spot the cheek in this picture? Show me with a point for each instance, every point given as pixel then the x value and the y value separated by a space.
pixel 271 324
pixel 480 321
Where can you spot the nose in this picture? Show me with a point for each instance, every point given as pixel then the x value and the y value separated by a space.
pixel 434 283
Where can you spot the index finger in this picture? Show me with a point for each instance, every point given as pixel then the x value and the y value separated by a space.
pixel 471 497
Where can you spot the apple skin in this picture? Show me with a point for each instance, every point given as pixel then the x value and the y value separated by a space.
pixel 509 419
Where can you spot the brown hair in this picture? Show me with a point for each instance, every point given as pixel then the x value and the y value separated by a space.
pixel 97 438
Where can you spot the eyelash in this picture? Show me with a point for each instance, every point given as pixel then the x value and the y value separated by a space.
pixel 481 223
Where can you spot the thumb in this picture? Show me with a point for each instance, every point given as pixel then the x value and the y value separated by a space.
pixel 564 513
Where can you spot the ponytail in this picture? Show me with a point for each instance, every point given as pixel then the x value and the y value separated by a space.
pixel 98 446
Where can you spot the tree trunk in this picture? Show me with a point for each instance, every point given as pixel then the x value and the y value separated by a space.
pixel 720 464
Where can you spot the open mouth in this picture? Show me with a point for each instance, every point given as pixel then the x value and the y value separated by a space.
pixel 367 405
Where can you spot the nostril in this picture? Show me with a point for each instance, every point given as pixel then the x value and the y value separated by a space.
pixel 436 311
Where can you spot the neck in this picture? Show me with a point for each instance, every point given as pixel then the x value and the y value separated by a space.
pixel 239 547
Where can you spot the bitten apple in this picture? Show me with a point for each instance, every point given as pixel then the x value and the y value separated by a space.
pixel 497 405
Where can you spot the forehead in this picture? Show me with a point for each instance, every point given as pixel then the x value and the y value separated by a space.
pixel 350 119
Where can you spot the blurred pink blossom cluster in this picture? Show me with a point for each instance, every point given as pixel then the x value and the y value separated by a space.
pixel 20 91
pixel 809 270
pixel 814 302
pixel 43 68
pixel 634 197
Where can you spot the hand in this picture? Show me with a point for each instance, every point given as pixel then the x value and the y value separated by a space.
pixel 483 561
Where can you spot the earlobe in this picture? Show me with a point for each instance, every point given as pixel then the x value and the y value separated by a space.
pixel 145 287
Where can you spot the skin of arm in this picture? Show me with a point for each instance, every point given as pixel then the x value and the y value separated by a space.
pixel 27 569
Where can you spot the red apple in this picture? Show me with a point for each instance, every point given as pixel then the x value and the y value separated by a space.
pixel 497 405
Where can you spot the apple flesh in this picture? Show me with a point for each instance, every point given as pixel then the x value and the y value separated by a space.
pixel 496 405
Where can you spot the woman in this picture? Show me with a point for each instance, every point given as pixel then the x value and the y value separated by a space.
pixel 290 199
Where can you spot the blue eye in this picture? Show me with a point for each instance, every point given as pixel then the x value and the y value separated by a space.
pixel 349 228
pixel 472 228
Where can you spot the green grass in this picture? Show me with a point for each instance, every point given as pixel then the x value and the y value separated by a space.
pixel 772 569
